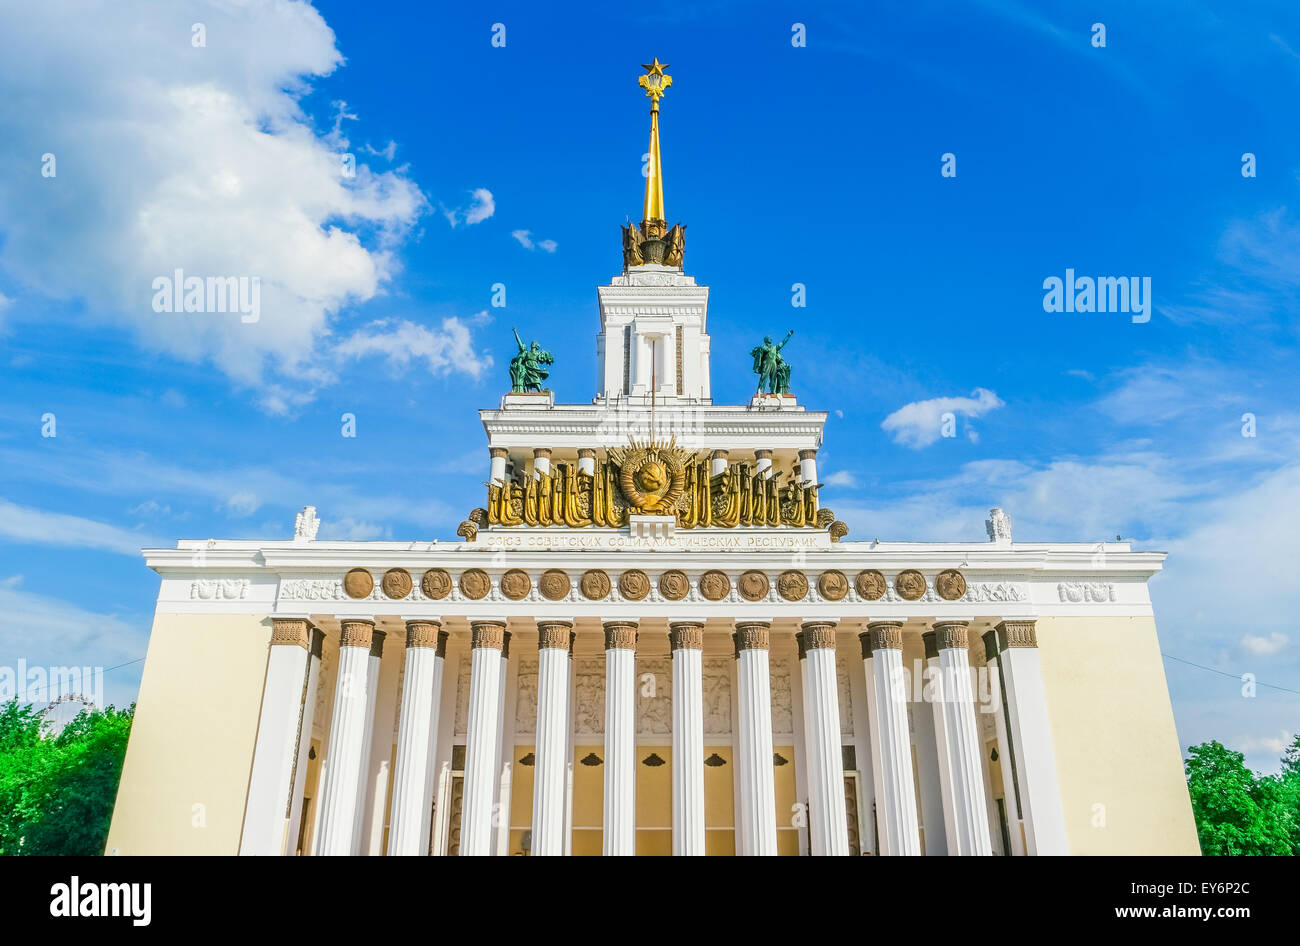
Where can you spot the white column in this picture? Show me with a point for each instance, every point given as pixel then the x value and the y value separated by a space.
pixel 505 749
pixel 873 733
pixel 587 461
pixel 550 770
pixel 687 640
pixel 961 777
pixel 1006 752
pixel 1031 738
pixel 896 793
pixel 719 461
pixel 305 725
pixel 486 641
pixel 270 786
pixel 757 821
pixel 808 466
pixel 620 739
pixel 762 463
pixel 366 783
pixel 541 460
pixel 497 469
pixel 417 736
pixel 828 819
pixel 812 764
pixel 345 757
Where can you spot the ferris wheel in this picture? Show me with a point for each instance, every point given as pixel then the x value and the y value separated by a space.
pixel 64 709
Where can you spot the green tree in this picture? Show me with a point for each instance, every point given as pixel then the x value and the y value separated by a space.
pixel 1236 811
pixel 57 792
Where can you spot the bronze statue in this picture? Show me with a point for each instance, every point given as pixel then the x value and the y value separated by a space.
pixel 772 370
pixel 526 372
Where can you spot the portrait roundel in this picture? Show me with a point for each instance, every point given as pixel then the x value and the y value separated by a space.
pixel 475 584
pixel 554 584
pixel 950 584
pixel 358 583
pixel 674 585
pixel 715 585
pixel 436 584
pixel 793 585
pixel 396 583
pixel 832 585
pixel 870 585
pixel 594 584
pixel 754 586
pixel 515 584
pixel 910 584
pixel 633 584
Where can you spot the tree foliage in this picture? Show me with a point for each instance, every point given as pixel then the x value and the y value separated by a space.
pixel 57 791
pixel 1238 811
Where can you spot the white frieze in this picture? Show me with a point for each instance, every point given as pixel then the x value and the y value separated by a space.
pixel 995 591
pixel 526 698
pixel 1091 592
pixel 782 708
pixel 589 686
pixel 654 698
pixel 220 589
pixel 717 696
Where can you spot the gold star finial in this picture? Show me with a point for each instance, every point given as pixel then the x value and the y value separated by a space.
pixel 655 81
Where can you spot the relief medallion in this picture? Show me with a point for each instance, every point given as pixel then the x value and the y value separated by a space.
pixel 436 584
pixel 674 585
pixel 396 583
pixel 358 583
pixel 475 584
pixel 793 585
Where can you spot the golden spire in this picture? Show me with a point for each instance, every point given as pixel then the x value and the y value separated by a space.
pixel 655 82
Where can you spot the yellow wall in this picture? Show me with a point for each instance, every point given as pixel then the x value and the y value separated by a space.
pixel 185 777
pixel 1114 737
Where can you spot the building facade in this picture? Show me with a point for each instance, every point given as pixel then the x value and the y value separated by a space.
pixel 652 638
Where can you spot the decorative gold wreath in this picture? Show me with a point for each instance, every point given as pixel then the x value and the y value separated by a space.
pixel 631 459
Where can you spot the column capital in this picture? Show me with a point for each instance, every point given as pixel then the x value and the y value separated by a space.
pixel 495 452
pixel 990 645
pixel 885 635
pixel 798 643
pixel 762 454
pixel 620 635
pixel 1016 634
pixel 753 635
pixel 818 634
pixel 356 632
pixel 291 631
pixel 317 642
pixel 686 635
pixel 424 634
pixel 554 635
pixel 505 646
pixel 489 634
pixel 541 453
pixel 585 452
pixel 377 643
pixel 807 454
pixel 719 454
pixel 951 634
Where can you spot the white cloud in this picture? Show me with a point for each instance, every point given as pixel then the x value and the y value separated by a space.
pixel 919 424
pixel 201 159
pixel 1274 643
pixel 400 342
pixel 482 206
pixel 841 478
pixel 54 633
pixel 37 527
pixel 525 238
pixel 242 503
pixel 351 530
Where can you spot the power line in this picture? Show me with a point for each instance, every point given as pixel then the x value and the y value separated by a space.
pixel 1224 673
pixel 27 693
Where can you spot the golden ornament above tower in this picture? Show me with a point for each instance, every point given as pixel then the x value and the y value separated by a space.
pixel 653 242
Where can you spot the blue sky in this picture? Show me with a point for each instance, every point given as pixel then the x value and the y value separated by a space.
pixel 481 164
